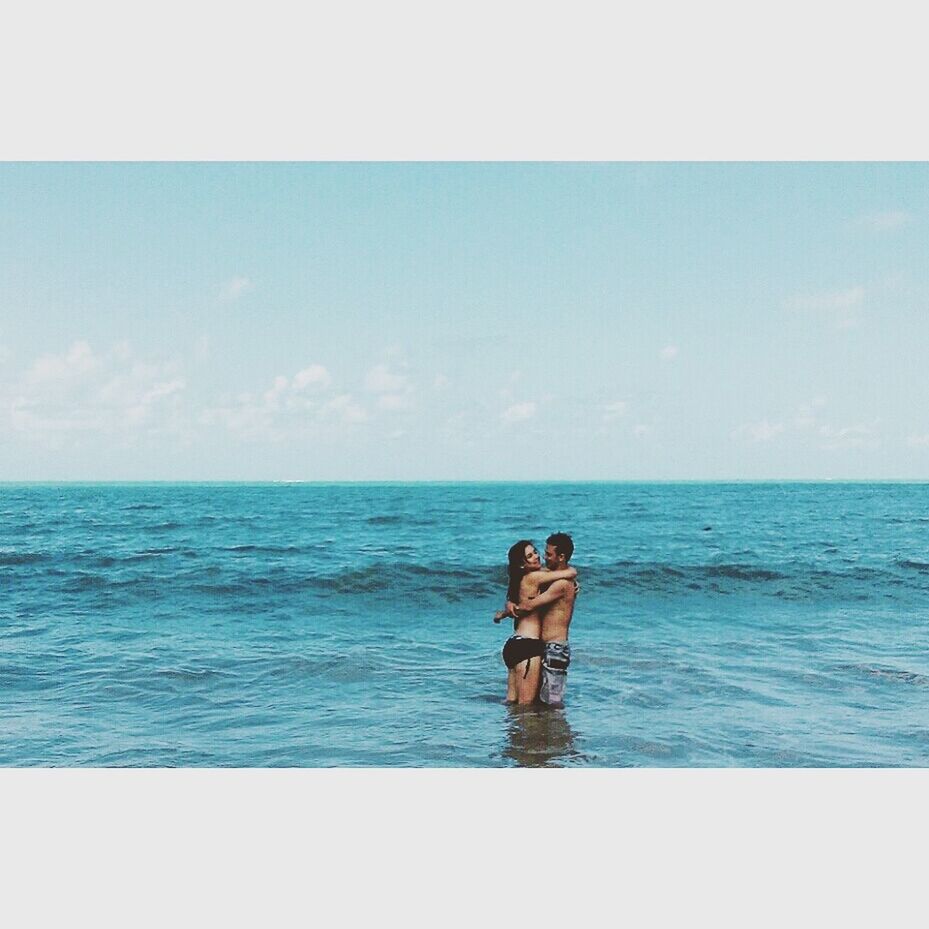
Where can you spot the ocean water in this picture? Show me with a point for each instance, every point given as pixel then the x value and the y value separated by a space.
pixel 160 625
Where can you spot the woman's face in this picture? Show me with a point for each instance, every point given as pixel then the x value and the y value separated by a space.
pixel 531 560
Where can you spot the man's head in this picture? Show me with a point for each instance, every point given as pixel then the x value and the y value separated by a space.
pixel 558 550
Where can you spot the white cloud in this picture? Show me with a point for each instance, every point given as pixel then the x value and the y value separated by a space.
pixel 882 222
pixel 82 392
pixel 762 431
pixel 519 412
pixel 669 353
pixel 234 288
pixel 393 402
pixel 834 300
pixel 291 407
pixel 273 395
pixel 857 436
pixel 614 410
pixel 441 382
pixel 842 305
pixel 381 380
pixel 641 429
pixel 918 441
pixel 345 408
pixel 314 376
pixel 807 413
pixel 75 364
pixel 395 390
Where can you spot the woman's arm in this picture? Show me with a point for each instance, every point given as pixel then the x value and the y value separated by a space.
pixel 508 611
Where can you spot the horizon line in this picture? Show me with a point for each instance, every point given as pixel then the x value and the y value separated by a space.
pixel 388 481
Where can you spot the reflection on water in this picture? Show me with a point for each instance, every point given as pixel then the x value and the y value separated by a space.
pixel 538 737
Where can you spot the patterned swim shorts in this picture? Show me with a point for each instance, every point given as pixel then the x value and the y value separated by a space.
pixel 554 672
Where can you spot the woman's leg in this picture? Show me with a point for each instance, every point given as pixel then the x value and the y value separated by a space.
pixel 527 684
pixel 511 679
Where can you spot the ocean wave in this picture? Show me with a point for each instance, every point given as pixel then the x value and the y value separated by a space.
pixel 18 558
pixel 219 573
pixel 268 549
pixel 881 672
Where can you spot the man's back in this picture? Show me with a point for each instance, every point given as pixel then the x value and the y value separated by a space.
pixel 557 616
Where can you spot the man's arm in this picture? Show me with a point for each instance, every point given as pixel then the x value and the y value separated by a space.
pixel 555 592
pixel 538 578
pixel 547 577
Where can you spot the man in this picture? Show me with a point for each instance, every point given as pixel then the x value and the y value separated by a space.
pixel 557 605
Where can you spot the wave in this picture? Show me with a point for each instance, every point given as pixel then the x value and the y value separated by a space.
pixel 219 573
pixel 888 674
pixel 18 558
pixel 269 549
pixel 638 578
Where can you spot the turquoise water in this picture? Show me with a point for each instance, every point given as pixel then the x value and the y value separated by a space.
pixel 341 625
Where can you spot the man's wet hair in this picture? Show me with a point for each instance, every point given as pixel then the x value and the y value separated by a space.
pixel 562 544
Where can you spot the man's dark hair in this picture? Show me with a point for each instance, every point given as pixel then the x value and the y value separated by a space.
pixel 562 544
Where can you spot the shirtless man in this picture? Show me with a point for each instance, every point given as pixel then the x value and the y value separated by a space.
pixel 557 607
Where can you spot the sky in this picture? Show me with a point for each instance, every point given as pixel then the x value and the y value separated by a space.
pixel 464 321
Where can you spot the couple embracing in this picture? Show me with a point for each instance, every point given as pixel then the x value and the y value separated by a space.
pixel 541 602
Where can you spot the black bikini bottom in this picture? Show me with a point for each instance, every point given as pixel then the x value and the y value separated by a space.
pixel 518 648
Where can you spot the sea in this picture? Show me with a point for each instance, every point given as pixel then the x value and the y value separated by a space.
pixel 350 625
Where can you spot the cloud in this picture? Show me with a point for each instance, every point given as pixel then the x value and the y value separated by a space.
pixel 807 413
pixel 380 380
pixel 918 441
pixel 614 410
pixel 441 382
pixel 345 408
pixel 834 300
pixel 315 376
pixel 668 353
pixel 641 429
pixel 762 431
pixel 82 392
pixel 234 288
pixel 846 437
pixel 840 304
pixel 395 392
pixel 272 396
pixel 75 364
pixel 290 407
pixel 882 222
pixel 393 402
pixel 518 412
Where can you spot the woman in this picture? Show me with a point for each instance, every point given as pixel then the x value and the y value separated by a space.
pixel 522 652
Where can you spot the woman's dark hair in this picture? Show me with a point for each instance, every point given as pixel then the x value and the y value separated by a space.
pixel 514 568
